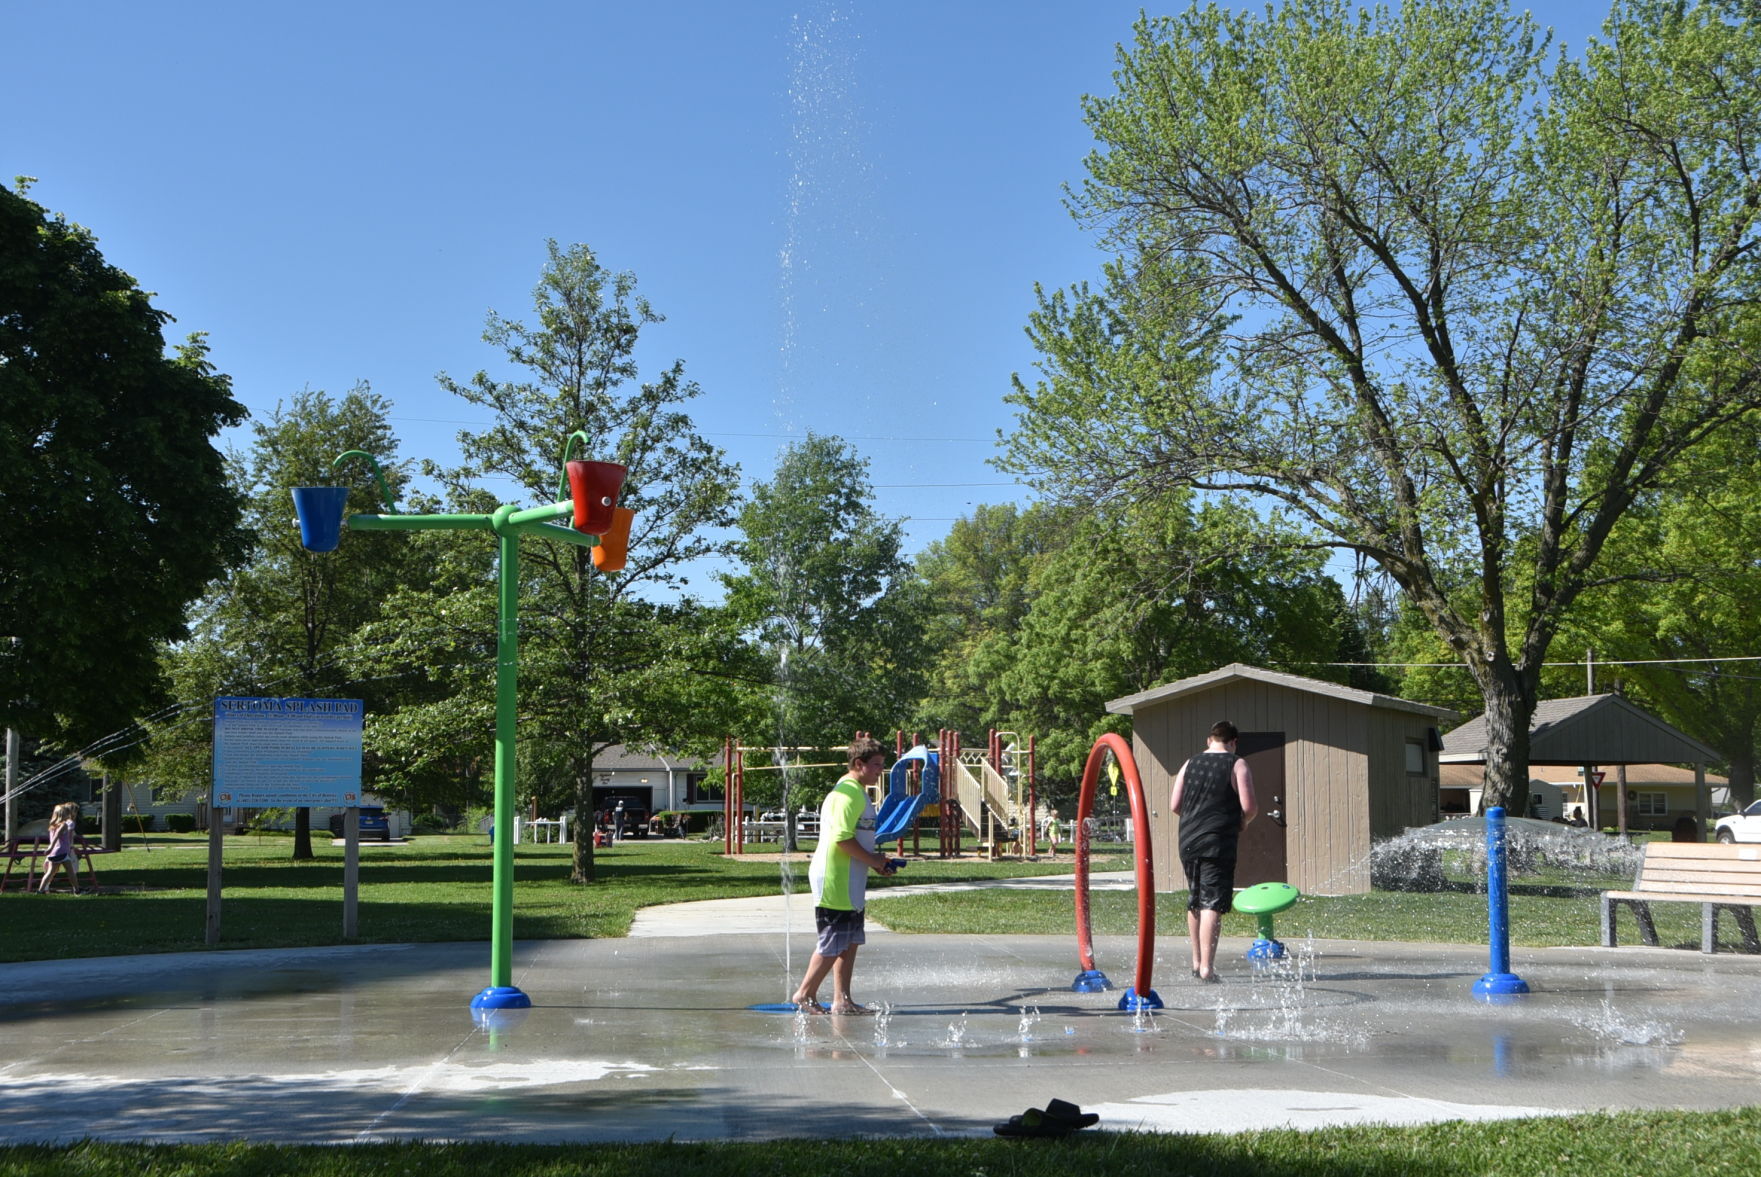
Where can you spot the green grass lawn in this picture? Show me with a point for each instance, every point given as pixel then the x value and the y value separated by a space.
pixel 432 889
pixel 1539 916
pixel 1654 1144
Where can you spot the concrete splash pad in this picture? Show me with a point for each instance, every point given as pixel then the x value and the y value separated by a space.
pixel 645 1039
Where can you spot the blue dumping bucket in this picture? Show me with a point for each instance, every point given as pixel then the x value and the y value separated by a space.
pixel 320 511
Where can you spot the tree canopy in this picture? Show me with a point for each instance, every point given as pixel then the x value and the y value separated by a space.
pixel 117 510
pixel 1452 303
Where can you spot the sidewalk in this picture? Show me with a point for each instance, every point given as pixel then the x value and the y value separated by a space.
pixel 793 914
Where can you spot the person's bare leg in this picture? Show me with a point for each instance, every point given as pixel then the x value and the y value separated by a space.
pixel 843 968
pixel 817 968
pixel 1210 927
pixel 1192 938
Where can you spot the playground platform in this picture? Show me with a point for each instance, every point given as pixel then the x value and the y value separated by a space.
pixel 650 1037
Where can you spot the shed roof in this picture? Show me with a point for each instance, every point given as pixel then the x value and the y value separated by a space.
pixel 1591 729
pixel 1241 672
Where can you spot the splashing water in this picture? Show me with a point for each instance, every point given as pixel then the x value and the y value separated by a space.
pixel 1424 859
pixel 1029 1019
pixel 1616 1028
pixel 883 1018
pixel 957 1035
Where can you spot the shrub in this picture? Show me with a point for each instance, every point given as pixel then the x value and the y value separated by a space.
pixel 430 823
pixel 140 823
pixel 180 823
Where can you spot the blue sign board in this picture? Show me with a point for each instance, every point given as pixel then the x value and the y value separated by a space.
pixel 277 752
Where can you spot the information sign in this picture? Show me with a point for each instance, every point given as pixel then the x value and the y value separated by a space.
pixel 279 752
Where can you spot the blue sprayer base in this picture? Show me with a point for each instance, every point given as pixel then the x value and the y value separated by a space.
pixel 501 997
pixel 1500 987
pixel 1091 981
pixel 1131 1002
pixel 1263 949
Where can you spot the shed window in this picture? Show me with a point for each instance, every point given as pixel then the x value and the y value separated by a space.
pixel 1653 804
pixel 1415 758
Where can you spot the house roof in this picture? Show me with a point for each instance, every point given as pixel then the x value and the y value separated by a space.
pixel 1241 672
pixel 1590 729
pixel 619 758
pixel 1638 776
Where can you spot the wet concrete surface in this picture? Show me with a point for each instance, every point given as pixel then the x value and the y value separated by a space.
pixel 650 1037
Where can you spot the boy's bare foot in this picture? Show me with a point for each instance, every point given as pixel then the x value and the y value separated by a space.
pixel 850 1009
pixel 808 1005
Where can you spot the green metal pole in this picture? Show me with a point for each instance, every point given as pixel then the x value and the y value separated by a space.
pixel 501 993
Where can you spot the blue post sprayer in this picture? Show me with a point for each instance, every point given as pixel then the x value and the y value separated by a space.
pixel 1500 984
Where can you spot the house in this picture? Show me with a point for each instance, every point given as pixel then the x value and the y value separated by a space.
pixel 1334 767
pixel 651 782
pixel 1602 735
pixel 1657 794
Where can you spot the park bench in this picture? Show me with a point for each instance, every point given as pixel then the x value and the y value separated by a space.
pixel 31 849
pixel 1718 877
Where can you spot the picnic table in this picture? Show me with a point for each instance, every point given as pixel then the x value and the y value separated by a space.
pixel 30 850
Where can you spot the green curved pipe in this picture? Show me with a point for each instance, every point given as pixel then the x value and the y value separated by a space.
pixel 562 484
pixel 378 475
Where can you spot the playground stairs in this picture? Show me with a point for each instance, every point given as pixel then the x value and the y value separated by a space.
pixel 991 804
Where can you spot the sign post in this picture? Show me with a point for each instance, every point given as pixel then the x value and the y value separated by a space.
pixel 272 752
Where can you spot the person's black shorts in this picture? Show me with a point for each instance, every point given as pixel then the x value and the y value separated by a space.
pixel 838 930
pixel 1211 882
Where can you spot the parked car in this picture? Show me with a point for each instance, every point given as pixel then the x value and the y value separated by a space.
pixel 373 823
pixel 1741 827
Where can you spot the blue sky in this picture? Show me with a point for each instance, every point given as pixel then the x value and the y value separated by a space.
pixel 841 208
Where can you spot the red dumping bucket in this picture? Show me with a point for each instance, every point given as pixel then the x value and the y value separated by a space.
pixel 320 509
pixel 614 542
pixel 594 487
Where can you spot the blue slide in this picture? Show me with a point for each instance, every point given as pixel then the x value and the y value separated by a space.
pixel 899 810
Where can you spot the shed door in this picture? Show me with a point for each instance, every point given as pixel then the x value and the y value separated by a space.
pixel 1260 856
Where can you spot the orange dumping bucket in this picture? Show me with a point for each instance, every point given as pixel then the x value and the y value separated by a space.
pixel 614 542
pixel 594 488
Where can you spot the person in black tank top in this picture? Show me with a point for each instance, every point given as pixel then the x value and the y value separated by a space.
pixel 1213 794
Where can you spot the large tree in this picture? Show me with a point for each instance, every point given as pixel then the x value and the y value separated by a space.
pixel 1453 303
pixel 624 657
pixel 981 580
pixel 828 599
pixel 115 509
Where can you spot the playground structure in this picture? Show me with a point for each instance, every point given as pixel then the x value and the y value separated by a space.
pixel 988 794
pixel 587 495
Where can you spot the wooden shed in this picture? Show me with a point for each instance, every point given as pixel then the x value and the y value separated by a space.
pixel 1334 768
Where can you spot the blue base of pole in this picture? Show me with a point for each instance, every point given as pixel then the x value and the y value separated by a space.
pixel 1091 981
pixel 1498 988
pixel 1132 1002
pixel 501 997
pixel 1264 949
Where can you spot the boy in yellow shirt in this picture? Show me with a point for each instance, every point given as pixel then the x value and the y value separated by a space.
pixel 839 878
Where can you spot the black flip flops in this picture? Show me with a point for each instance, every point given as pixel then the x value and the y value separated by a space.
pixel 1058 1118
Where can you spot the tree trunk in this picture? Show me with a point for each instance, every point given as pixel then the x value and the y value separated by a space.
pixel 1508 713
pixel 302 834
pixel 1742 777
pixel 583 871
